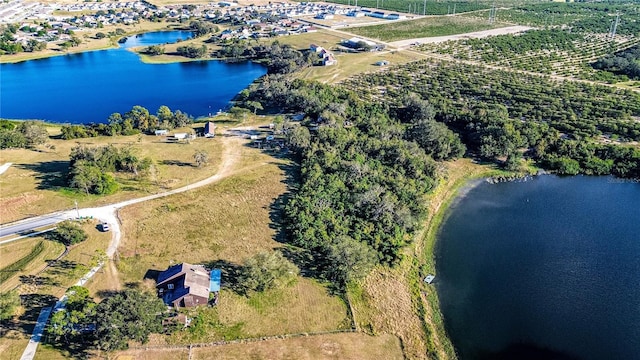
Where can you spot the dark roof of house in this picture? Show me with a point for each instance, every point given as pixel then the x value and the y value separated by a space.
pixel 189 280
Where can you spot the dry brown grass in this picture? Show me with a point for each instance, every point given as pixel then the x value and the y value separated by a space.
pixel 346 346
pixel 32 185
pixel 395 301
pixel 228 220
pixel 13 251
pixel 385 307
pixel 56 279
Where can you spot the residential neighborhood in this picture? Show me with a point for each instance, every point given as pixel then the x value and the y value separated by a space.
pixel 44 23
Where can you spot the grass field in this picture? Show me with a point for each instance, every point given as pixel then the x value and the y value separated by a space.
pixel 424 27
pixel 42 288
pixel 12 252
pixel 346 346
pixel 221 225
pixel 34 184
pixel 57 278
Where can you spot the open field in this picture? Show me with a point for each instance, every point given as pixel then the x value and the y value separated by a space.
pixel 353 64
pixel 346 346
pixel 424 27
pixel 59 276
pixel 34 184
pixel 12 252
pixel 221 225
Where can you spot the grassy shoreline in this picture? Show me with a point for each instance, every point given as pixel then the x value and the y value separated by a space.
pixel 460 179
pixel 90 43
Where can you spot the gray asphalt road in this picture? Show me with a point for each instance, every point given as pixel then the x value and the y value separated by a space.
pixel 22 227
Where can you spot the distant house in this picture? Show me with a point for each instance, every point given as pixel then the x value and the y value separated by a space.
pixel 209 129
pixel 180 136
pixel 186 285
pixel 396 17
pixel 315 48
pixel 382 63
pixel 329 60
pixel 324 16
pixel 161 132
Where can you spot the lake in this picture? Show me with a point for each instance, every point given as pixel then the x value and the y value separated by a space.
pixel 88 87
pixel 543 269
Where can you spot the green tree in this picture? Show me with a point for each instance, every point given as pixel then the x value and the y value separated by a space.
pixel 34 132
pixel 201 157
pixel 78 316
pixel 9 301
pixel 299 138
pixel 69 233
pixel 266 270
pixel 154 50
pixel 436 139
pixel 128 315
pixel 255 105
pixel 348 259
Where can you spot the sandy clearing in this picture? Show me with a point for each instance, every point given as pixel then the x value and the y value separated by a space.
pixel 473 35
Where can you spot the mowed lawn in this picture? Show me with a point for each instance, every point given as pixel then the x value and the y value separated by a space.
pixel 35 183
pixel 424 27
pixel 223 224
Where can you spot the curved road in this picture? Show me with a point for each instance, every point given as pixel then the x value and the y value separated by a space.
pixel 106 214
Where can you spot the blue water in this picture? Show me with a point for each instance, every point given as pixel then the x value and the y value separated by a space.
pixel 543 269
pixel 88 87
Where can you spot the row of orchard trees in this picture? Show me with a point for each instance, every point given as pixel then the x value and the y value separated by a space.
pixel 503 115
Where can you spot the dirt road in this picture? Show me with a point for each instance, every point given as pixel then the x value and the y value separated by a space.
pixel 473 35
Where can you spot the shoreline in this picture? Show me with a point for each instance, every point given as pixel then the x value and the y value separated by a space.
pixel 445 195
pixel 113 44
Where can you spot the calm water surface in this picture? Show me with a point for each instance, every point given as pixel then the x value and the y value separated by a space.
pixel 543 269
pixel 88 87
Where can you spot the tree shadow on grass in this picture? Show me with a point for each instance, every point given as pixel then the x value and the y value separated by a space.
pixel 50 175
pixel 176 163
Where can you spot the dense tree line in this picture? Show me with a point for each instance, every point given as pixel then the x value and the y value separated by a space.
pixel 22 134
pixel 626 63
pixel 134 121
pixel 192 51
pixel 501 114
pixel 279 58
pixel 365 170
pixel 90 169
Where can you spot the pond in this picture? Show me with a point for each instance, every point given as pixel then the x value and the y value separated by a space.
pixel 88 87
pixel 543 269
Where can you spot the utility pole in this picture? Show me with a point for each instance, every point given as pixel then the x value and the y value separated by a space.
pixel 424 8
pixel 454 9
pixel 77 211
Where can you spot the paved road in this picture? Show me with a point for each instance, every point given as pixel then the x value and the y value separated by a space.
pixel 25 226
pixel 109 214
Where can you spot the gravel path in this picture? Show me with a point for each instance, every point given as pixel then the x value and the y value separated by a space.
pixel 473 35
